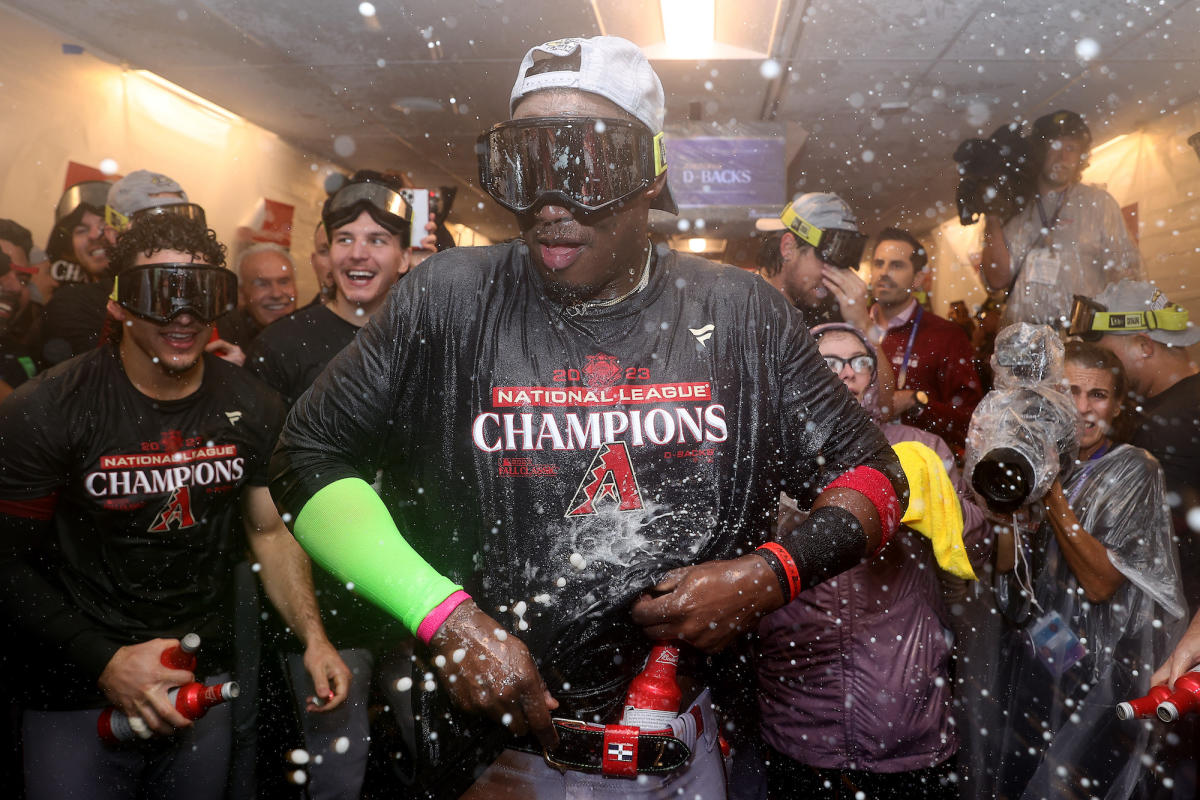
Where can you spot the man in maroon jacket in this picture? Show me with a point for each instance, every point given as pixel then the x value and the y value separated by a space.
pixel 937 386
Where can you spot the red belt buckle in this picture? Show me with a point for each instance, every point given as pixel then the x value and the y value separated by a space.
pixel 620 753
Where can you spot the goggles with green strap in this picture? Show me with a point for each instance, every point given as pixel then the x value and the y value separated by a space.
pixel 1090 320
pixel 587 163
pixel 837 246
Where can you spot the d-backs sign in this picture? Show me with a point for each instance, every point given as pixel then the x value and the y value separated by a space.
pixel 726 171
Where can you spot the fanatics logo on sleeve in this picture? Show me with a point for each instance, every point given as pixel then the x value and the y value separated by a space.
pixel 703 334
pixel 233 416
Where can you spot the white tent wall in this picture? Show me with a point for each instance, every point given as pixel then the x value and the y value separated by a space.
pixel 59 108
pixel 1153 167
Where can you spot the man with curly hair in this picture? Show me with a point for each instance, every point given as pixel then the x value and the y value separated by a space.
pixel 122 473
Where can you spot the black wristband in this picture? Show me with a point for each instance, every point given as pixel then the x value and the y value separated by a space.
pixel 780 573
pixel 830 541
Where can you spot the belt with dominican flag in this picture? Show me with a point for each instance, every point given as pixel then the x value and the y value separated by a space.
pixel 626 751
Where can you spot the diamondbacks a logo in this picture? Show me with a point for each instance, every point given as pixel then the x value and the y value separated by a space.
pixel 610 477
pixel 177 512
pixel 601 371
pixel 703 334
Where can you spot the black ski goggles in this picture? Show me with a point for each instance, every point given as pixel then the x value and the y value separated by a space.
pixel 587 163
pixel 348 202
pixel 115 219
pixel 91 194
pixel 1090 320
pixel 837 246
pixel 161 292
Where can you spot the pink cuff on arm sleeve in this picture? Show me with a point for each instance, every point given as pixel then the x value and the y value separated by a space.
pixel 434 619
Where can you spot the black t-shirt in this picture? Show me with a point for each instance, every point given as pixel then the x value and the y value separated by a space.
pixel 16 362
pixel 825 310
pixel 142 499
pixel 1169 427
pixel 74 319
pixel 238 327
pixel 290 353
pixel 560 464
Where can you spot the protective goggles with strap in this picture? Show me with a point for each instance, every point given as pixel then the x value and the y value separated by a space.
pixel 92 194
pixel 116 219
pixel 587 163
pixel 837 246
pixel 161 292
pixel 348 202
pixel 1090 320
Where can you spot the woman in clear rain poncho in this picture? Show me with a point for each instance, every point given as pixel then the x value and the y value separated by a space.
pixel 1106 607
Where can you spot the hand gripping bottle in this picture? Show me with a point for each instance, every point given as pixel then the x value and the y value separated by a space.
pixel 1184 699
pixel 653 698
pixel 1144 707
pixel 182 655
pixel 192 700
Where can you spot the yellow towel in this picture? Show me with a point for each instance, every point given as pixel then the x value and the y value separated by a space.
pixel 933 509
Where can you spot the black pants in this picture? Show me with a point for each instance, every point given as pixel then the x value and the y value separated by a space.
pixel 788 778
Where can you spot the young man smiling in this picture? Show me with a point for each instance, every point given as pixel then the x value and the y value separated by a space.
pixel 367 221
pixel 123 473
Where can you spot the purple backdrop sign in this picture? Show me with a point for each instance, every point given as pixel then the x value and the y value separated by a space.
pixel 718 171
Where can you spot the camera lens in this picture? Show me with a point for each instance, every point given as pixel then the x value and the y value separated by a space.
pixel 1003 478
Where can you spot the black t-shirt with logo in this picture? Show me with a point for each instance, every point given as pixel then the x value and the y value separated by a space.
pixel 559 464
pixel 290 353
pixel 142 502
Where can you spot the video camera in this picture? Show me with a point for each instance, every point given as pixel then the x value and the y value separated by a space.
pixel 996 175
pixel 1022 435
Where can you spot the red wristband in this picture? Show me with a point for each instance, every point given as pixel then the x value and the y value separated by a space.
pixel 789 566
pixel 873 485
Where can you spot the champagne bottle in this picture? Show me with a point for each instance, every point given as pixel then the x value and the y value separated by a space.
pixel 182 655
pixel 192 700
pixel 652 701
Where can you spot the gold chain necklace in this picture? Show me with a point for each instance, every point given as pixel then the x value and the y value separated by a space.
pixel 587 305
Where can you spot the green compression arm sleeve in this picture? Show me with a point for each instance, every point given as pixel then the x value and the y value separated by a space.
pixel 347 529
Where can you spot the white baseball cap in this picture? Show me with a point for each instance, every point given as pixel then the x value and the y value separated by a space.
pixel 609 66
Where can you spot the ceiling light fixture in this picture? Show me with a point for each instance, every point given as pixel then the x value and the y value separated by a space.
pixel 698 245
pixel 690 30
pixel 191 97
pixel 1109 143
pixel 688 26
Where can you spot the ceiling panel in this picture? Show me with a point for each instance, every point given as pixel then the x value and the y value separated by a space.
pixel 915 29
pixel 885 91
